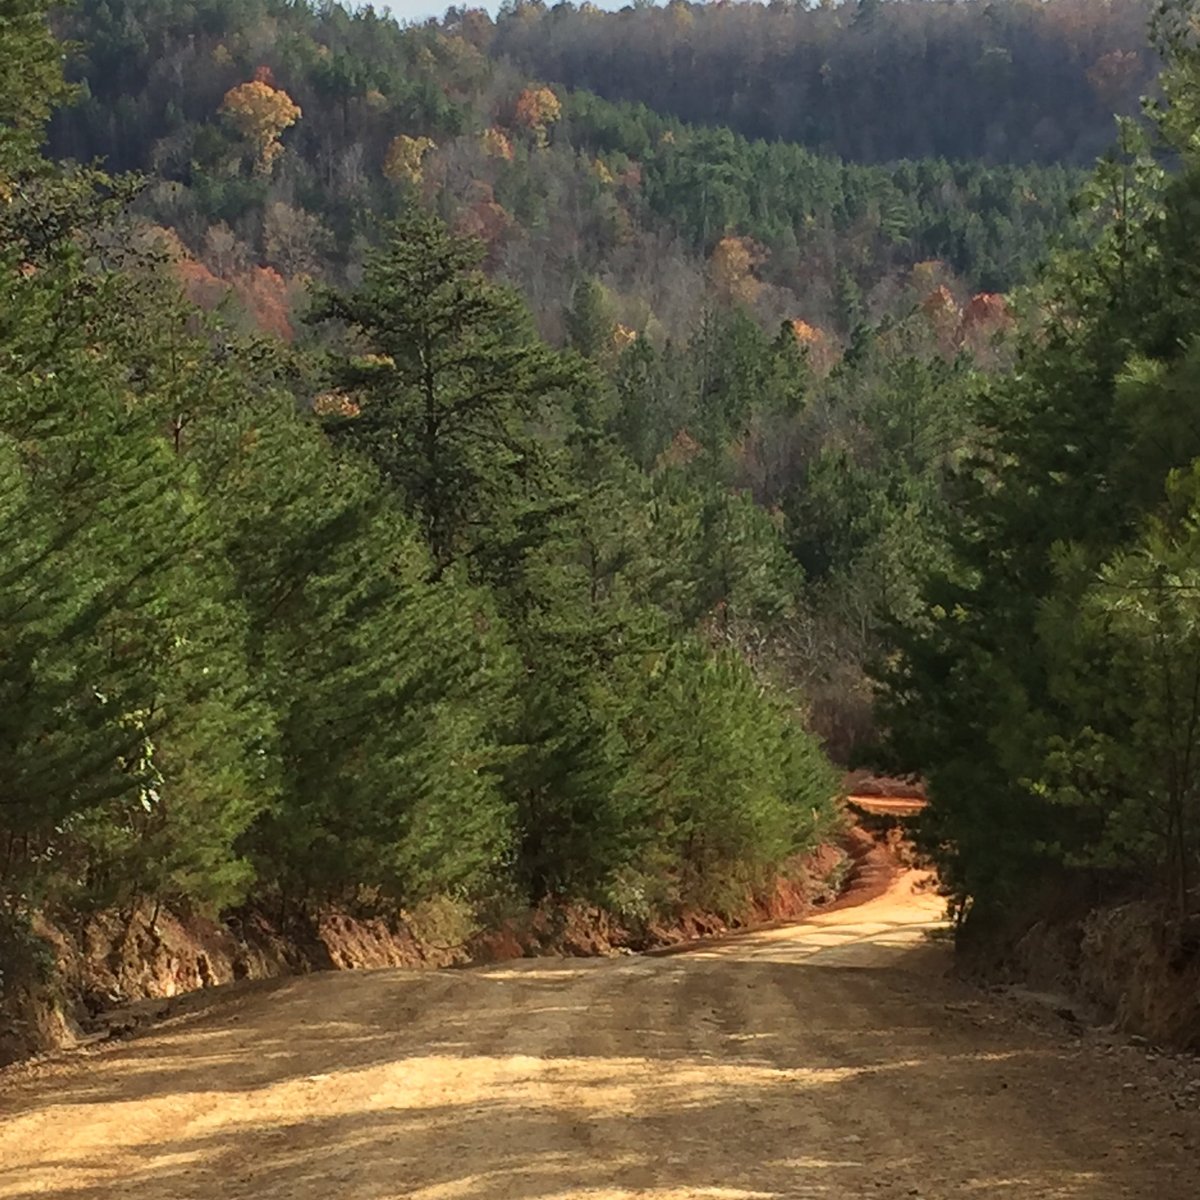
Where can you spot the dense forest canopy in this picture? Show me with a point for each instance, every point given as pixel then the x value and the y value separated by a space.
pixel 431 476
pixel 1017 81
pixel 578 186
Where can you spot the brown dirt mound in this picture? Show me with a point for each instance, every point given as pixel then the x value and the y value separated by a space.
pixel 1126 963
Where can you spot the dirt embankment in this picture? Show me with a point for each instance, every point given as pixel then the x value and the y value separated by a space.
pixel 116 972
pixel 1126 965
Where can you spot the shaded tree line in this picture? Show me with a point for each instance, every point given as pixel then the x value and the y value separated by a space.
pixel 385 618
pixel 1049 684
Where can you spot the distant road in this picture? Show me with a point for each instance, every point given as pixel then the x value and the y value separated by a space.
pixel 888 805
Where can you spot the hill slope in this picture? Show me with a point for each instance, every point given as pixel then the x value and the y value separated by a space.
pixel 869 80
pixel 588 188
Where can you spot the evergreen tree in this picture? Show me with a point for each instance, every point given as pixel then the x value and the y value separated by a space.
pixel 31 67
pixel 454 378
pixel 1068 583
pixel 130 729
pixel 385 689
pixel 589 319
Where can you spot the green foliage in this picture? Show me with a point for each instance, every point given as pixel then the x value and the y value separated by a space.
pixel 385 687
pixel 1049 685
pixel 735 785
pixel 30 65
pixel 988 221
pixel 410 654
pixel 123 682
pixel 507 620
pixel 454 377
pixel 589 320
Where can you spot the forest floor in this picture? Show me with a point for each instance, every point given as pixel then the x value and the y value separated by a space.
pixel 835 1059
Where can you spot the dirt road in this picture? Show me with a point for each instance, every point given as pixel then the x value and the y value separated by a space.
pixel 832 1060
pixel 888 806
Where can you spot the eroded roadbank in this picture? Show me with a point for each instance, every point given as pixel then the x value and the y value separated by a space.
pixel 834 1059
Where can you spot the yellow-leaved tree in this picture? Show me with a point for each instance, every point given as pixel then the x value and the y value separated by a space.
pixel 731 268
pixel 402 163
pixel 496 144
pixel 261 112
pixel 536 110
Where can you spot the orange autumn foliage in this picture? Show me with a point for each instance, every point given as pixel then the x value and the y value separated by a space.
pixel 682 450
pixel 262 293
pixel 985 320
pixel 631 177
pixel 622 338
pixel 821 352
pixel 335 404
pixel 536 109
pixel 266 297
pixel 986 309
pixel 200 285
pixel 485 219
pixel 944 316
pixel 806 334
pixel 939 304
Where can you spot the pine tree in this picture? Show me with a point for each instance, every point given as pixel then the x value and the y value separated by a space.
pixel 128 723
pixel 1006 688
pixel 31 68
pixel 384 689
pixel 589 319
pixel 454 378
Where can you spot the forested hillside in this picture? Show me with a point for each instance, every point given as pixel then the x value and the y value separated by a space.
pixel 427 483
pixel 794 322
pixel 389 619
pixel 559 184
pixel 1000 81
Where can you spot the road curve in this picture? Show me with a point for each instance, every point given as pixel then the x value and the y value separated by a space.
pixel 833 1060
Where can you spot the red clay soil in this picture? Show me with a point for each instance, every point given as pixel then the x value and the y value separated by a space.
pixel 874 868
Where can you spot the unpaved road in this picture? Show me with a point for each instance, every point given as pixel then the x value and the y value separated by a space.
pixel 831 1060
pixel 888 806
